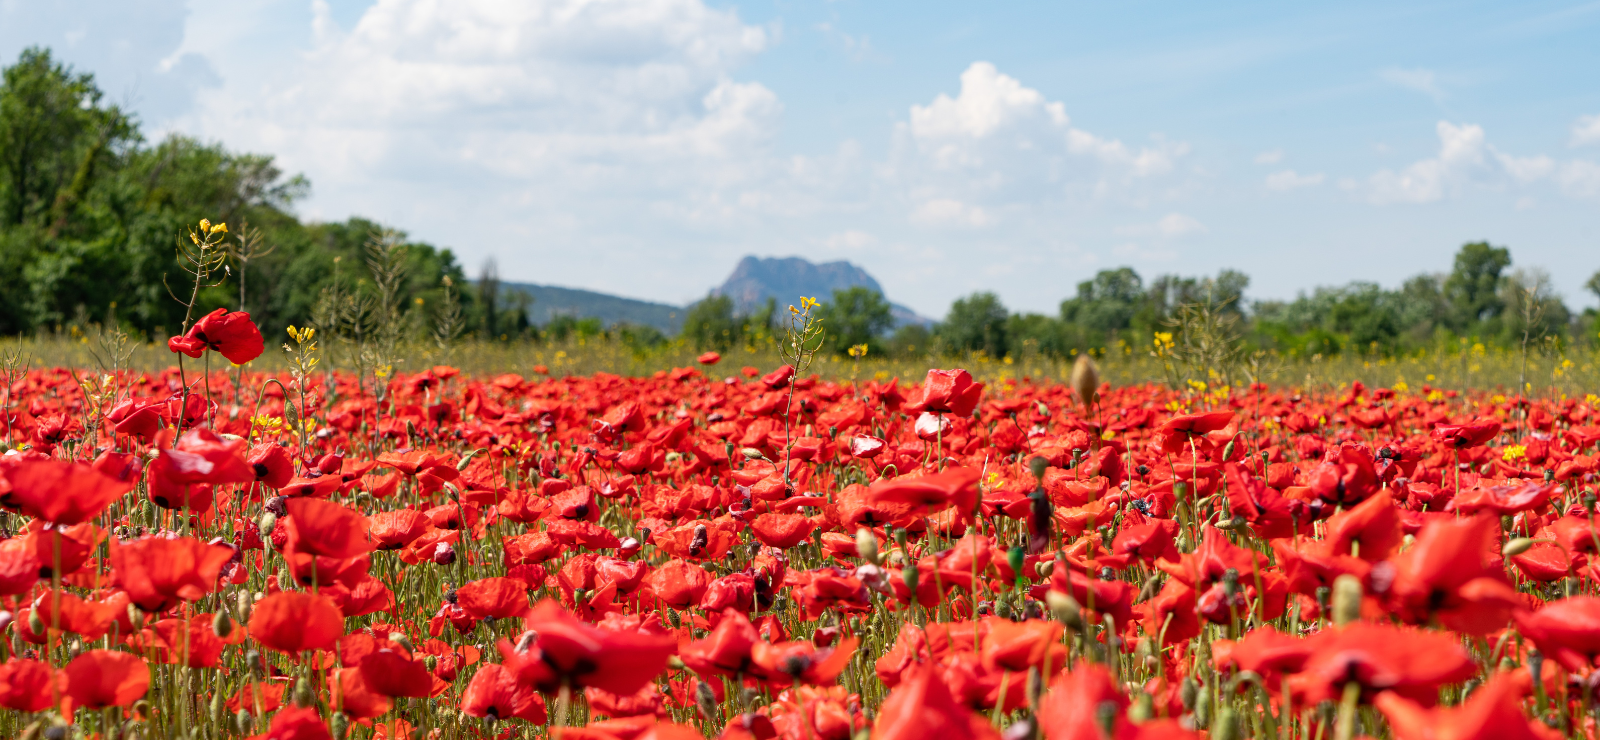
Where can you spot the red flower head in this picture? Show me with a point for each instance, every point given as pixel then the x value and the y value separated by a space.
pixel 494 597
pixel 782 531
pixel 158 573
pixel 392 530
pixel 1493 712
pixel 929 494
pixel 495 692
pixel 292 621
pixel 726 651
pixel 25 685
pixel 1410 662
pixel 229 332
pixel 1347 476
pixel 709 358
pixel 1567 630
pixel 200 460
pixel 1176 433
pixel 922 707
pixel 945 392
pixel 296 723
pixel 57 491
pixel 1461 436
pixel 391 673
pixel 106 678
pixel 1453 572
pixel 271 465
pixel 576 654
pixel 137 417
pixel 327 529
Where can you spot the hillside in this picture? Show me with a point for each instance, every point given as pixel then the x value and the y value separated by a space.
pixel 550 301
pixel 755 279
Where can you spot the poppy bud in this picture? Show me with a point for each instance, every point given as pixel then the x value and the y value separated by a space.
pixel 1105 715
pixel 338 724
pixel 241 721
pixel 1044 568
pixel 444 554
pixel 1226 726
pixel 675 663
pixel 399 638
pixel 1037 466
pixel 6 618
pixel 303 695
pixel 222 625
pixel 751 453
pixel 867 545
pixel 1227 449
pixel 35 625
pixel 1517 545
pixel 1142 709
pixel 1346 599
pixel 215 708
pixel 910 575
pixel 430 662
pixel 1202 708
pixel 1015 557
pixel 268 522
pixel 1085 380
pixel 1064 609
pixel 706 702
pixel 1188 691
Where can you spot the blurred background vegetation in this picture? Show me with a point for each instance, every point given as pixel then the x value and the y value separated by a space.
pixel 90 209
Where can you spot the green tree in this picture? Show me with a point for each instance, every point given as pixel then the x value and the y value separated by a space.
pixel 856 315
pixel 711 324
pixel 1473 288
pixel 976 323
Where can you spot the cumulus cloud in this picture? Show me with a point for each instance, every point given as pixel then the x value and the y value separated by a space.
pixel 998 142
pixel 1291 180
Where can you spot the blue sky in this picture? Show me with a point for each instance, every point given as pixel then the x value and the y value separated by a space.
pixel 641 146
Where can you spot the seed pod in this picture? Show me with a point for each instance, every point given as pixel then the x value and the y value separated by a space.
pixel 1044 568
pixel 1085 380
pixel 1346 599
pixel 216 708
pixel 1202 708
pixel 867 545
pixel 1188 692
pixel 1038 466
pixel 1227 725
pixel 911 577
pixel 1142 708
pixel 241 721
pixel 338 724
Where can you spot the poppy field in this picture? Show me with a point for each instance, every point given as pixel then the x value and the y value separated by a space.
pixel 753 553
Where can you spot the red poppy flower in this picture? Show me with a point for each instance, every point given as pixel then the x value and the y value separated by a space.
pixel 1176 433
pixel 1410 662
pixel 494 597
pixel 726 651
pixel 1072 710
pixel 327 529
pixel 106 678
pixel 782 531
pixel 495 692
pixel 1346 477
pixel 271 464
pixel 1462 436
pixel 57 491
pixel 137 417
pixel 678 583
pixel 231 333
pixel 1493 712
pixel 158 573
pixel 945 392
pixel 183 476
pixel 25 685
pixel 296 723
pixel 293 621
pixel 576 654
pixel 921 707
pixel 349 691
pixel 1567 630
pixel 1453 573
pixel 709 358
pixel 392 530
pixel 957 487
pixel 390 673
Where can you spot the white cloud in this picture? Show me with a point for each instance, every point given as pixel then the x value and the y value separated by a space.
pixel 949 212
pixel 1271 157
pixel 1461 151
pixel 1421 80
pixel 1580 179
pixel 999 144
pixel 1586 130
pixel 1291 180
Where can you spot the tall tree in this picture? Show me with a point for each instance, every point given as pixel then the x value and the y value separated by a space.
pixel 1473 287
pixel 856 315
pixel 977 323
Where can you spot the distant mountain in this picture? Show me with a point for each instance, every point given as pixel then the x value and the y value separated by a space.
pixel 550 301
pixel 755 279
